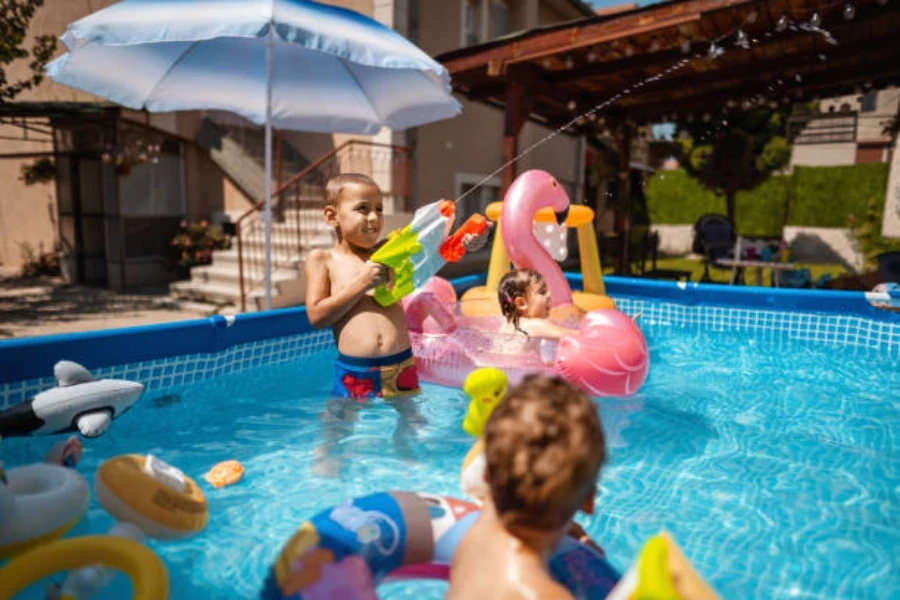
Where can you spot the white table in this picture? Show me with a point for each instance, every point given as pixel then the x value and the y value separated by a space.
pixel 759 265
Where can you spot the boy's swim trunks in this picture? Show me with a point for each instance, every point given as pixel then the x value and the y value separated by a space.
pixel 370 377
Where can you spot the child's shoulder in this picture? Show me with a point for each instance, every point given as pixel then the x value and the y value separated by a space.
pixel 320 256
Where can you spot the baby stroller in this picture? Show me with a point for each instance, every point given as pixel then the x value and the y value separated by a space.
pixel 714 239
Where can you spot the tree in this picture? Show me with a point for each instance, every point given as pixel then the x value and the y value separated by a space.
pixel 733 153
pixel 15 15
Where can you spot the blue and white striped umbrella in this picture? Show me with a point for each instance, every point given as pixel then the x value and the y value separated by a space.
pixel 290 64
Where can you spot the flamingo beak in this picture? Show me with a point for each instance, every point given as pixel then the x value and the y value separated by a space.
pixel 561 216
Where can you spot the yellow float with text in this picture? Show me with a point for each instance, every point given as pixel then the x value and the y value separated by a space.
pixel 164 508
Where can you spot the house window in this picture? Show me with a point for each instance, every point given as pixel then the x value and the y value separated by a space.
pixel 470 36
pixel 477 201
pixel 499 18
pixel 868 102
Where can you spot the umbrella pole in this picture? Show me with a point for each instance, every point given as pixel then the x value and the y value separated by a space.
pixel 270 42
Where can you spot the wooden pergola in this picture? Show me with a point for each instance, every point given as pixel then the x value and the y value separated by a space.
pixel 679 59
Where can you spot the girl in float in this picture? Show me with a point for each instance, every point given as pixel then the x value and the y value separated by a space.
pixel 525 303
pixel 602 351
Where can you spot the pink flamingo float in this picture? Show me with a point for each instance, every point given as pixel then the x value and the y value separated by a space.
pixel 607 357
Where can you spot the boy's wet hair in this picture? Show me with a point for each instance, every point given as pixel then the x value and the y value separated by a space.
pixel 336 185
pixel 544 448
pixel 515 285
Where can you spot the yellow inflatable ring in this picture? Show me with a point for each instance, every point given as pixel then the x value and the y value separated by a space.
pixel 147 572
pixel 579 214
pixel 129 493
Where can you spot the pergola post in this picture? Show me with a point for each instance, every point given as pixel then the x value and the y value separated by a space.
pixel 623 208
pixel 517 110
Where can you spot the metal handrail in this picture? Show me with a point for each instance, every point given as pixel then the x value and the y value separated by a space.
pixel 243 226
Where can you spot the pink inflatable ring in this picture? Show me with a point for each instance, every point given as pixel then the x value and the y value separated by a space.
pixel 608 356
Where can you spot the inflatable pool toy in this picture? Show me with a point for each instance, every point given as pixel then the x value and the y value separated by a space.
pixel 148 575
pixel 149 498
pixel 65 453
pixel 607 357
pixel 85 582
pixel 537 198
pixel 346 551
pixel 485 388
pixel 161 500
pixel 662 572
pixel 79 403
pixel 419 250
pixel 39 503
pixel 224 473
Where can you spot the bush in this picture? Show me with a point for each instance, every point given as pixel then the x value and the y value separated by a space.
pixel 674 197
pixel 866 227
pixel 39 262
pixel 195 242
pixel 812 197
pixel 827 196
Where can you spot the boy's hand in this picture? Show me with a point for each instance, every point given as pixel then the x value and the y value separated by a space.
pixel 375 274
pixel 474 243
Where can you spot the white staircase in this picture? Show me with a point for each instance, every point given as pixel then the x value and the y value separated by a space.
pixel 219 284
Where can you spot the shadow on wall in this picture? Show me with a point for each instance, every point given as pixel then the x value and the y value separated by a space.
pixel 808 247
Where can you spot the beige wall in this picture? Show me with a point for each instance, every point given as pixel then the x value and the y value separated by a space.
pixel 472 144
pixel 823 155
pixel 27 213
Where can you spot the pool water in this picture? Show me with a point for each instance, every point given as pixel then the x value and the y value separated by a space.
pixel 775 465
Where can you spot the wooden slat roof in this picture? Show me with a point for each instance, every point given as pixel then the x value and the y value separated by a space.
pixel 572 67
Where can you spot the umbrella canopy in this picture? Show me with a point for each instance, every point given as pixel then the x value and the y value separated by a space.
pixel 290 64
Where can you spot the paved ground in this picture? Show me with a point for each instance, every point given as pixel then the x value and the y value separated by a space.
pixel 47 305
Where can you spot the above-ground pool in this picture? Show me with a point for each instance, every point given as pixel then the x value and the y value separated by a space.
pixel 765 440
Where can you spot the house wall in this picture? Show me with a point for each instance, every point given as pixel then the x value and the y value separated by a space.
pixel 28 213
pixel 472 143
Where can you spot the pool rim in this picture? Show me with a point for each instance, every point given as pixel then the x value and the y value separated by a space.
pixel 33 357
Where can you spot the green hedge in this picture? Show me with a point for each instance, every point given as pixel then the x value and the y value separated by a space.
pixel 826 196
pixel 813 196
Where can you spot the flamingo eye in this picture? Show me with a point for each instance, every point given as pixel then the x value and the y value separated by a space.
pixel 553 182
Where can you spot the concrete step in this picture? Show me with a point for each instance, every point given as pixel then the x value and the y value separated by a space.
pixel 227 274
pixel 285 240
pixel 212 292
pixel 206 309
pixel 289 292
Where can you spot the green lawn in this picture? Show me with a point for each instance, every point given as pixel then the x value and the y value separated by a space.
pixel 695 267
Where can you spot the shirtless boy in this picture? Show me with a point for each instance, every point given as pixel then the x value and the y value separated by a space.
pixel 375 357
pixel 544 448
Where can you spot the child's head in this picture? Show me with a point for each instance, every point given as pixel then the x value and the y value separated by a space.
pixel 523 293
pixel 354 207
pixel 544 448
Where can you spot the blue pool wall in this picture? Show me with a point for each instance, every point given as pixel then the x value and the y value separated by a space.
pixel 181 353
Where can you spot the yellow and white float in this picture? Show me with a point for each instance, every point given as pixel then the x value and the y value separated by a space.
pixel 39 503
pixel 161 500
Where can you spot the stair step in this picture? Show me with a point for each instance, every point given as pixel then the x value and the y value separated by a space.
pixel 217 293
pixel 228 274
pixel 206 309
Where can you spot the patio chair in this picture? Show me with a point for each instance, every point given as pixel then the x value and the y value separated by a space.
pixel 889 266
pixel 714 239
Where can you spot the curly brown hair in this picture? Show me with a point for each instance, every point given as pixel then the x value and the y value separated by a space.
pixel 544 448
pixel 515 285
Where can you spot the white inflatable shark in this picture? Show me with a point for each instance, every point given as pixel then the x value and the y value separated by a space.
pixel 79 402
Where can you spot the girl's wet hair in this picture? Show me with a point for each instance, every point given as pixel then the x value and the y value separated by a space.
pixel 515 285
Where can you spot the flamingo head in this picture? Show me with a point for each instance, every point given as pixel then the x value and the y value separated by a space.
pixel 540 190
